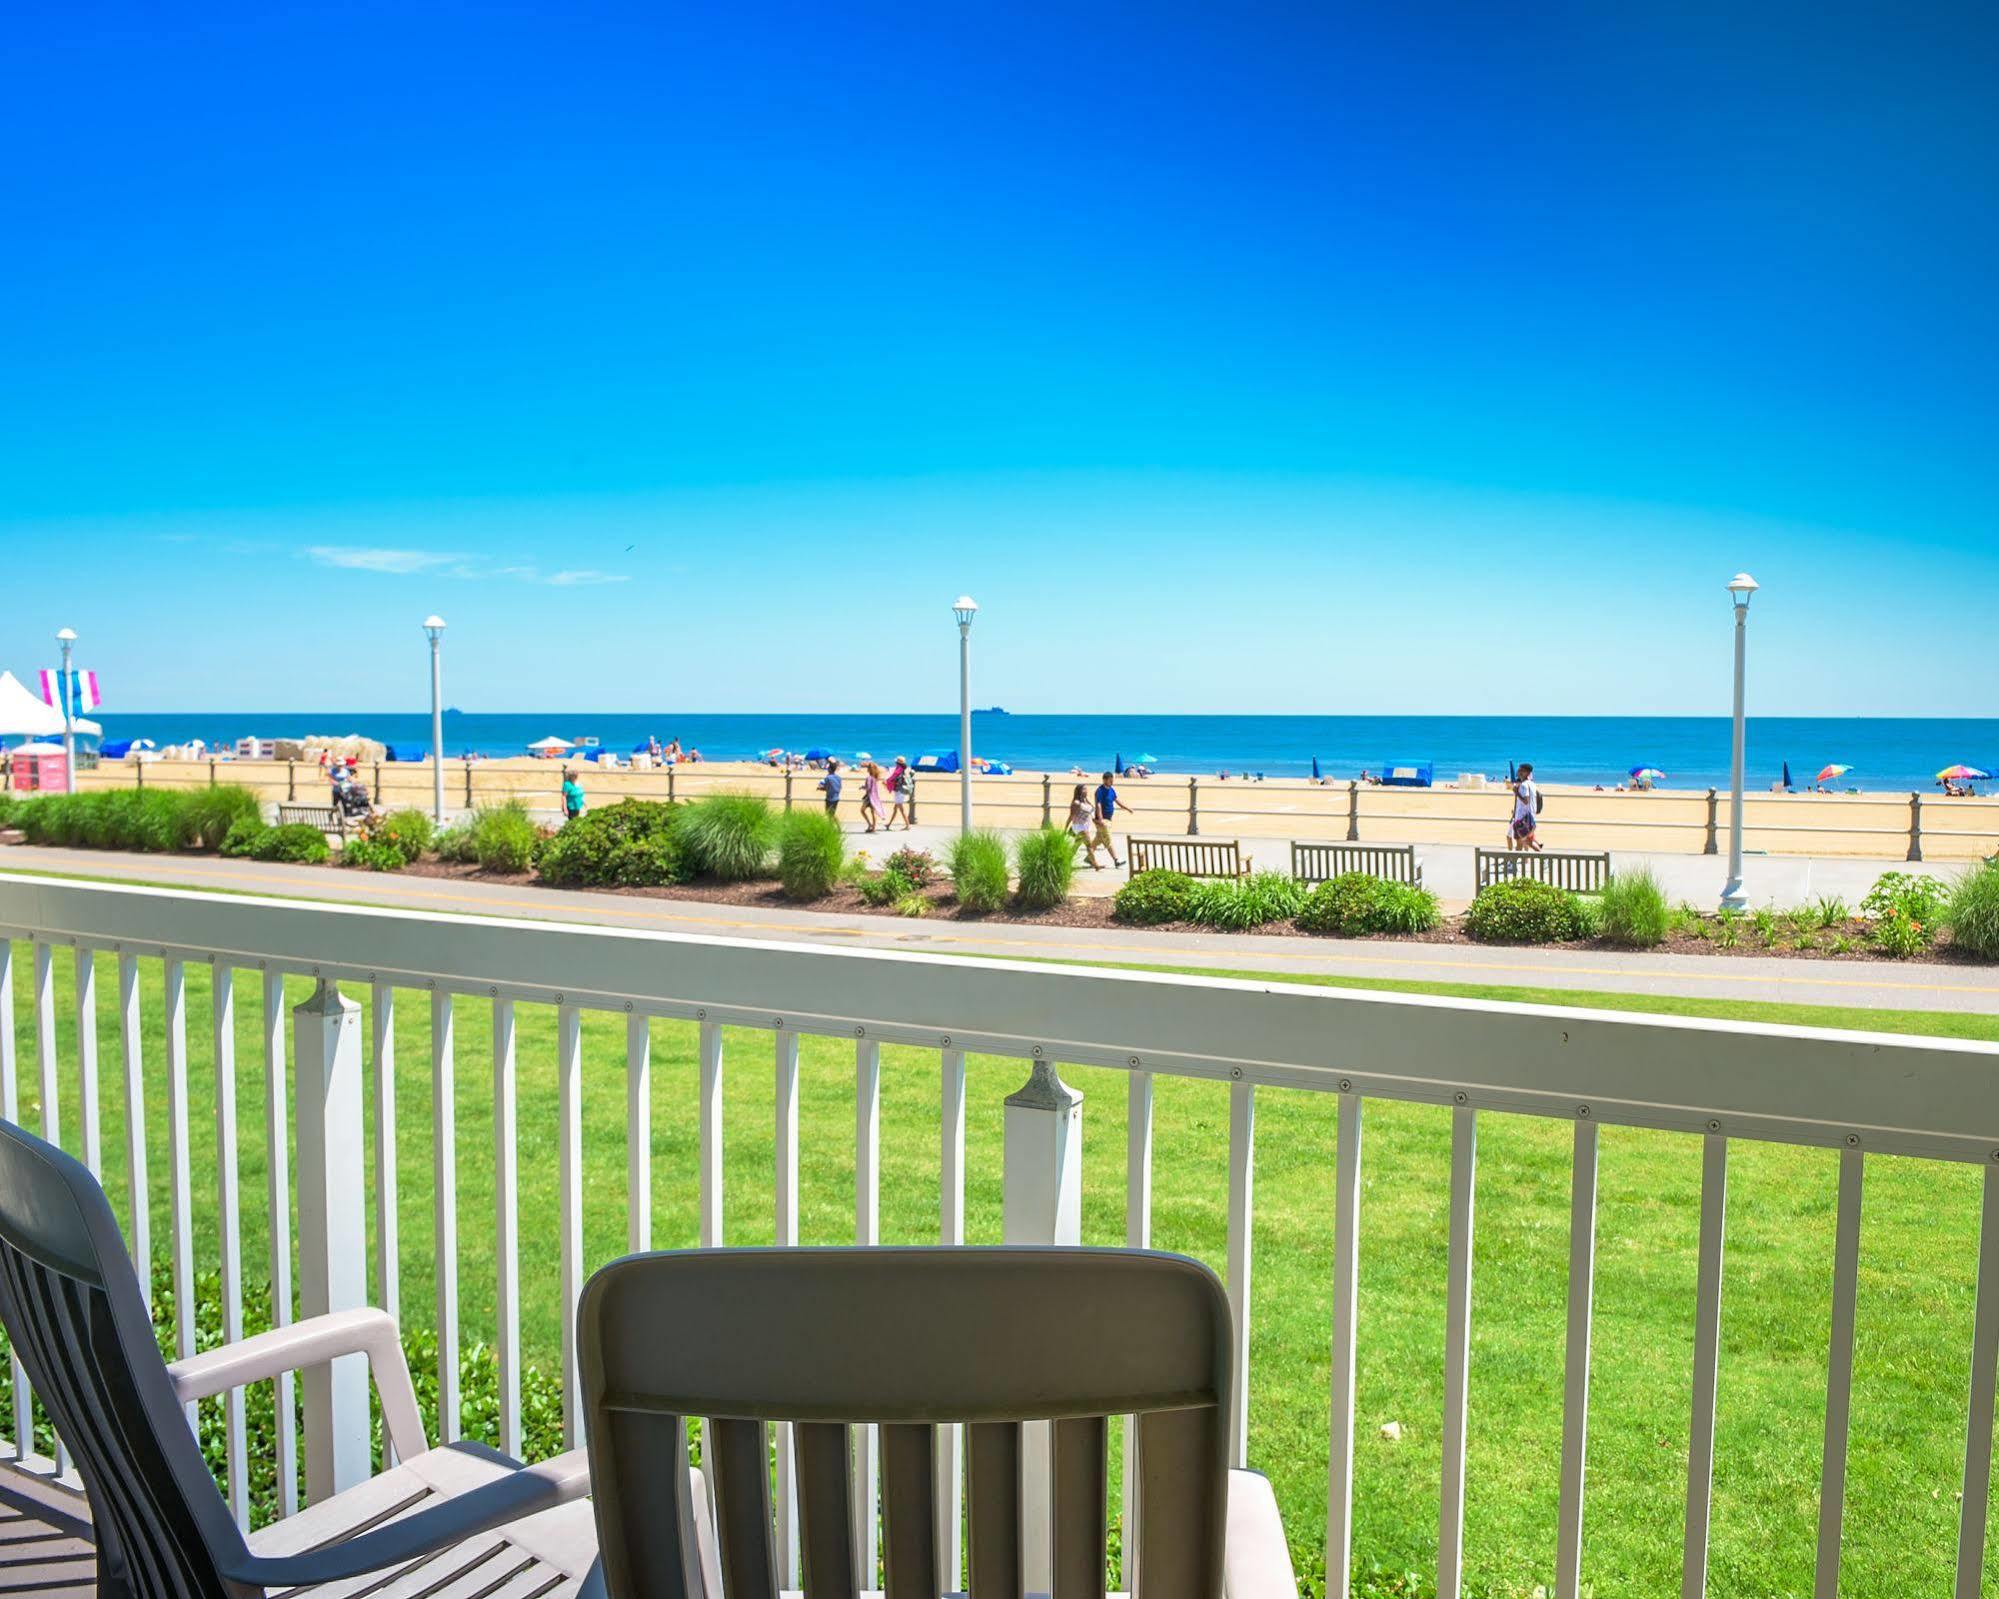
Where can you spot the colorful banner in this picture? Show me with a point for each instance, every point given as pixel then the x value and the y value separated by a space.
pixel 83 694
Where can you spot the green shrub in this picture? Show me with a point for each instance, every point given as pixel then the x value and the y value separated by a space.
pixel 810 852
pixel 241 839
pixel 211 812
pixel 1356 904
pixel 1635 913
pixel 504 837
pixel 374 854
pixel 628 845
pixel 1154 897
pixel 1973 912
pixel 295 841
pixel 1897 933
pixel 912 905
pixel 915 866
pixel 1237 904
pixel 1919 898
pixel 1044 865
pixel 977 864
pixel 883 888
pixel 729 836
pixel 455 843
pixel 1523 910
pixel 408 832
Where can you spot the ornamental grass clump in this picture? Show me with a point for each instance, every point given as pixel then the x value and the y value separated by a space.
pixel 1154 897
pixel 976 864
pixel 632 844
pixel 407 832
pixel 1634 911
pixel 1972 914
pixel 1044 867
pixel 810 852
pixel 1237 904
pixel 732 837
pixel 211 812
pixel 504 837
pixel 1523 910
pixel 1358 904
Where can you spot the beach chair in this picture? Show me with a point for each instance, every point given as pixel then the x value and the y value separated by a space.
pixel 1033 1348
pixel 80 1326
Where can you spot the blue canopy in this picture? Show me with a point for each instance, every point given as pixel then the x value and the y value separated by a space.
pixel 1409 774
pixel 938 761
pixel 407 752
pixel 818 754
pixel 998 769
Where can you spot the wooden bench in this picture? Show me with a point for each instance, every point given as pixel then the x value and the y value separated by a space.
pixel 1577 871
pixel 1314 862
pixel 1197 857
pixel 327 818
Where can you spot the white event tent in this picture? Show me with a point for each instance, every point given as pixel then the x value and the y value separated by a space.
pixel 22 712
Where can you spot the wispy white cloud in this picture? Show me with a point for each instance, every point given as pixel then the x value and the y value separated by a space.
pixel 587 575
pixel 355 558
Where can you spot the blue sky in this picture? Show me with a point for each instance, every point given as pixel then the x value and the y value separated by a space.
pixel 1439 358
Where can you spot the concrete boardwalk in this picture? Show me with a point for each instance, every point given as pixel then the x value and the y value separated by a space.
pixel 1875 984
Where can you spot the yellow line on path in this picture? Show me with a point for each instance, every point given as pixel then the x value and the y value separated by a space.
pixel 539 908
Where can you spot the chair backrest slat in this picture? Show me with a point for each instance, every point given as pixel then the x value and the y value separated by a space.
pixel 992 1451
pixel 909 1340
pixel 826 1511
pixel 909 1512
pixel 1081 1504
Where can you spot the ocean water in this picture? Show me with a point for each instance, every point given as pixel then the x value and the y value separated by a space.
pixel 1884 753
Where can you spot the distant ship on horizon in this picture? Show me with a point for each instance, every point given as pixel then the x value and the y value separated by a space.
pixel 991 710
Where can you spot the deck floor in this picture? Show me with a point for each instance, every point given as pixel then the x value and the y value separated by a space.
pixel 40 1557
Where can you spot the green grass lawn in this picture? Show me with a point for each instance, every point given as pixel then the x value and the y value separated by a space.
pixel 1914 1310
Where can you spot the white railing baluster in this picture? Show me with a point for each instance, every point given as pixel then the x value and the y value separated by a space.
pixel 10 1108
pixel 1707 1363
pixel 569 1178
pixel 1984 1374
pixel 1457 1353
pixel 45 1041
pixel 1242 1222
pixel 951 1230
pixel 507 1228
pixel 1346 1321
pixel 711 1135
pixel 278 1200
pixel 388 1250
pixel 1137 1235
pixel 638 1132
pixel 1839 1372
pixel 86 1059
pixel 787 1236
pixel 867 1231
pixel 1575 1363
pixel 444 1180
pixel 131 1034
pixel 229 1224
pixel 181 1214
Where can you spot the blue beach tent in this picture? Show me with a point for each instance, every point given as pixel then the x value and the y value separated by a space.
pixel 407 752
pixel 1409 774
pixel 938 761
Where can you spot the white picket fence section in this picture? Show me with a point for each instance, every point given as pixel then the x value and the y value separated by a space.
pixel 1861 1094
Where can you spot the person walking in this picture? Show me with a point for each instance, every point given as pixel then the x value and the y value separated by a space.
pixel 1081 825
pixel 871 796
pixel 901 794
pixel 572 795
pixel 1526 807
pixel 830 786
pixel 1106 809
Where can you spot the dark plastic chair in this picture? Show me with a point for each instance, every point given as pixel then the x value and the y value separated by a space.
pixel 77 1320
pixel 909 1338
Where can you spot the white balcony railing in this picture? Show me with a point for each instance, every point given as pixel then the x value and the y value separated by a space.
pixel 1859 1094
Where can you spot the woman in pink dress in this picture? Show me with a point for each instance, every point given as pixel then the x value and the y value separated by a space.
pixel 871 796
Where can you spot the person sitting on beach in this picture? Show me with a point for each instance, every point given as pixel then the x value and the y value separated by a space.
pixel 1526 807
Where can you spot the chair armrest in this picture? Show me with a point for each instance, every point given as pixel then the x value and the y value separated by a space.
pixel 1256 1563
pixel 314 1342
pixel 493 1504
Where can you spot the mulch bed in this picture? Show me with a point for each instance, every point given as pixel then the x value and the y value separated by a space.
pixel 1096 912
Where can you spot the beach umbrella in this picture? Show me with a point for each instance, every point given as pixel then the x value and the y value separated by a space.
pixel 1117 764
pixel 1961 773
pixel 817 754
pixel 1315 769
pixel 1147 758
pixel 550 743
pixel 1787 774
pixel 1647 773
pixel 1830 772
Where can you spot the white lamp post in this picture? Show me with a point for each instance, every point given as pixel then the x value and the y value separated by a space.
pixel 66 638
pixel 434 626
pixel 965 608
pixel 1741 586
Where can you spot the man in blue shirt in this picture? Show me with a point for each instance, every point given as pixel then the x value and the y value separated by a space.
pixel 831 784
pixel 1106 808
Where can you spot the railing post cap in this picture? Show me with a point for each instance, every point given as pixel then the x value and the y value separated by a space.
pixel 1043 1090
pixel 326 1000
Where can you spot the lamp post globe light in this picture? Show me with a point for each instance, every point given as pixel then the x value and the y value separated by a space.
pixel 1740 588
pixel 66 638
pixel 434 626
pixel 964 608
